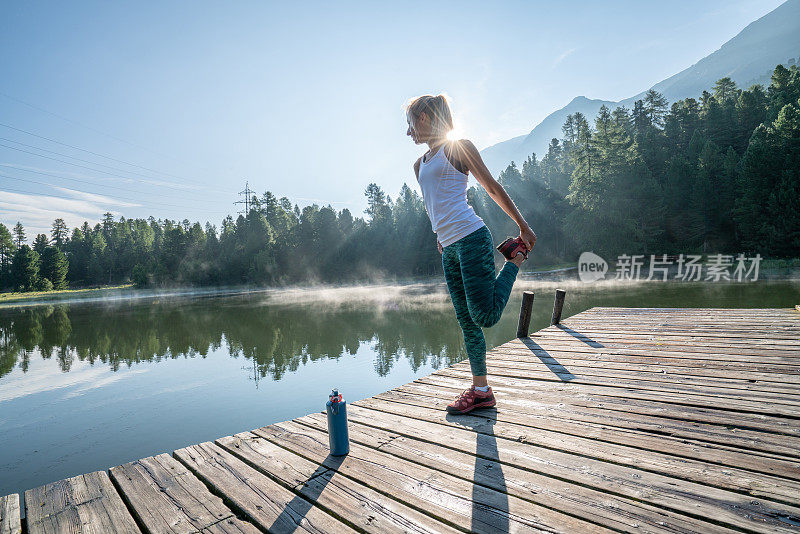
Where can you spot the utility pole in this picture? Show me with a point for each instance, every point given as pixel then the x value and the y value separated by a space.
pixel 247 196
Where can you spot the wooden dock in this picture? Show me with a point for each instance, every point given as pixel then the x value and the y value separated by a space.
pixel 614 420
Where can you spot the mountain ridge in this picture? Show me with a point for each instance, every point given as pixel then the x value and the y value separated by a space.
pixel 758 48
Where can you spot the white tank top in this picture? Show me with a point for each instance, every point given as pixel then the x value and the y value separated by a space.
pixel 444 189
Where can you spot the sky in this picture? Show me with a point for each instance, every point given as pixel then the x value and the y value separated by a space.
pixel 167 109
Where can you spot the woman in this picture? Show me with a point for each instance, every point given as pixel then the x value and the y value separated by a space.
pixel 462 237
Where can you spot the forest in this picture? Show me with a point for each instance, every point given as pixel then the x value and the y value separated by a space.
pixel 715 174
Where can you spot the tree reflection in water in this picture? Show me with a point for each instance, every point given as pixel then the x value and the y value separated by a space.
pixel 277 337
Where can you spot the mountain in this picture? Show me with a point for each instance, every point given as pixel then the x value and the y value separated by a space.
pixel 756 50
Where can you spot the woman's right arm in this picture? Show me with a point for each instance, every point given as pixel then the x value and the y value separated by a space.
pixel 496 191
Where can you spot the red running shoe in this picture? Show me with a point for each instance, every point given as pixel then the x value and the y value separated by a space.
pixel 471 399
pixel 511 247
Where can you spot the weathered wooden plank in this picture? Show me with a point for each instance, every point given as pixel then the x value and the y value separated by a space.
pixel 722 446
pixel 558 371
pixel 10 522
pixel 229 526
pixel 457 456
pixel 167 498
pixel 756 451
pixel 740 380
pixel 689 318
pixel 608 446
pixel 777 335
pixel 700 320
pixel 361 506
pixel 689 314
pixel 652 407
pixel 695 357
pixel 610 337
pixel 85 503
pixel 660 350
pixel 754 372
pixel 630 339
pixel 731 509
pixel 743 327
pixel 472 507
pixel 265 502
pixel 733 403
pixel 765 312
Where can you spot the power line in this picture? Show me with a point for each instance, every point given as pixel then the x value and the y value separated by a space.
pixel 89 151
pixel 109 196
pixel 89 127
pixel 85 182
pixel 183 189
pixel 111 159
pixel 83 160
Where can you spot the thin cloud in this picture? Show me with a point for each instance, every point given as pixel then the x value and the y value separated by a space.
pixel 91 197
pixel 37 212
pixel 83 176
pixel 564 56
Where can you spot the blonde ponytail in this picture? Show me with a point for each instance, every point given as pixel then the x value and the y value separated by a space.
pixel 437 108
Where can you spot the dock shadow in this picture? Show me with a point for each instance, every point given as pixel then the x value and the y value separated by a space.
pixel 559 370
pixel 295 510
pixel 580 337
pixel 487 472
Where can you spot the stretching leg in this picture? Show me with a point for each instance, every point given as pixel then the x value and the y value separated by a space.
pixel 486 294
pixel 474 340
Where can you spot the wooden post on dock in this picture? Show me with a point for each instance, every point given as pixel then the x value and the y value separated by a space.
pixel 558 304
pixel 525 314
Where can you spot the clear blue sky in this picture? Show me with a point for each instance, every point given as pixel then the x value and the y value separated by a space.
pixel 300 98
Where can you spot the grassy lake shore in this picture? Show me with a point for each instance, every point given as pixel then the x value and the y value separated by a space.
pixel 13 296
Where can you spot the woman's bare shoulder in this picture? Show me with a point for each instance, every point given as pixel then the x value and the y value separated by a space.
pixel 466 145
pixel 461 153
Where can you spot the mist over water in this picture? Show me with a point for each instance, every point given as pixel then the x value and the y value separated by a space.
pixel 92 383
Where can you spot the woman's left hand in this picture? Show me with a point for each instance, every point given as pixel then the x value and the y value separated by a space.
pixel 528 237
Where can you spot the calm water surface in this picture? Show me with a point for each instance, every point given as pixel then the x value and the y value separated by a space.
pixel 85 386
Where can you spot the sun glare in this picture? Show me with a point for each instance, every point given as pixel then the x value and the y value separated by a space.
pixel 455 133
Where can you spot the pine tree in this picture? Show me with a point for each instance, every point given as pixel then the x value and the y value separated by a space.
pixel 59 233
pixel 622 118
pixel 55 267
pixel 108 223
pixel 640 118
pixel 783 90
pixel 40 243
pixel 655 107
pixel 7 248
pixel 25 268
pixel 570 130
pixel 377 204
pixel 751 110
pixel 725 90
pixel 19 234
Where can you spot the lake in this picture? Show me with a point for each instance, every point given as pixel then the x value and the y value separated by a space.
pixel 88 385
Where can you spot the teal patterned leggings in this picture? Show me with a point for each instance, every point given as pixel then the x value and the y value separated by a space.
pixel 478 297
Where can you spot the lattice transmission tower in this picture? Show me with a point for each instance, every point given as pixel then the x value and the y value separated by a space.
pixel 247 199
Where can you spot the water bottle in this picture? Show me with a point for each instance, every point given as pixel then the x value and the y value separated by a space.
pixel 336 407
